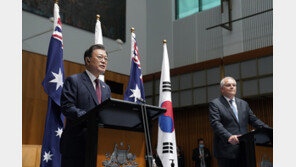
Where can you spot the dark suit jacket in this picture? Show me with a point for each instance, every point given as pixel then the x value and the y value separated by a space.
pixel 225 124
pixel 195 157
pixel 78 97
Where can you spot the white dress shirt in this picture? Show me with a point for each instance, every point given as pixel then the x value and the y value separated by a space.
pixel 92 78
pixel 233 103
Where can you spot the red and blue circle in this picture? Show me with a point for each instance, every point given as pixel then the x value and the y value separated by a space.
pixel 166 121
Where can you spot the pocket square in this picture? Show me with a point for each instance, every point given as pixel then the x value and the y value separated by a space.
pixel 103 86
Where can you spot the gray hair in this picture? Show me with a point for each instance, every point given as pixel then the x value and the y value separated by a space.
pixel 222 83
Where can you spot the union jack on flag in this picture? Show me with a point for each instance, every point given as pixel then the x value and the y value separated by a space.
pixel 135 88
pixel 53 84
pixel 57 34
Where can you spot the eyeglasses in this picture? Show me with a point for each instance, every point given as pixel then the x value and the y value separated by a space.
pixel 100 57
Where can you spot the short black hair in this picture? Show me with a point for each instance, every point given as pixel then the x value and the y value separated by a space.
pixel 89 51
pixel 200 139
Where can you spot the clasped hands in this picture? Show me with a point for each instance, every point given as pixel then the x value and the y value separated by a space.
pixel 234 139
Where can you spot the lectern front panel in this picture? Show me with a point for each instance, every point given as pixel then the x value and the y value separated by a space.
pixel 120 146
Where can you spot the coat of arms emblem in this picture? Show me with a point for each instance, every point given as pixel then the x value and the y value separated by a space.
pixel 120 158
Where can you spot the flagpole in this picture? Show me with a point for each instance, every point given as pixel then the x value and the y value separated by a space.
pixel 132 43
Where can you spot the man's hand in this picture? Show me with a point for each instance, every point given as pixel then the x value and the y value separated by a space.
pixel 234 139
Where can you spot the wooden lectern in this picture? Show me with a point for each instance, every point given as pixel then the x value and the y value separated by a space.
pixel 118 114
pixel 260 137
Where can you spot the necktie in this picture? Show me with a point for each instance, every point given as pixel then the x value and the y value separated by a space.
pixel 98 90
pixel 202 153
pixel 234 109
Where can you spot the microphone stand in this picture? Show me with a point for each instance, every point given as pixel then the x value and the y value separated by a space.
pixel 149 156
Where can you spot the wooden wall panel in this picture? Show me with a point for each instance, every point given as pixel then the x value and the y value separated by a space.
pixel 192 123
pixel 31 155
pixel 120 78
pixel 72 68
pixel 265 153
pixel 34 99
pixel 261 52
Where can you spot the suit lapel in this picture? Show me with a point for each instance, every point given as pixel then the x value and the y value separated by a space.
pixel 228 108
pixel 88 84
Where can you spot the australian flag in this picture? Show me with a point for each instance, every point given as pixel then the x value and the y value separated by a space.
pixel 135 89
pixel 53 84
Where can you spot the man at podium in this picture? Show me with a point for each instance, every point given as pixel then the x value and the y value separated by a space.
pixel 229 117
pixel 82 92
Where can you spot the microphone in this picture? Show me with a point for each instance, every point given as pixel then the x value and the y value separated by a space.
pixel 141 100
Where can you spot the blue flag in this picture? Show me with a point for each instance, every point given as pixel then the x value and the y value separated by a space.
pixel 135 88
pixel 53 84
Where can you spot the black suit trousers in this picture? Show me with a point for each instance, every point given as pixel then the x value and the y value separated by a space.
pixel 224 162
pixel 72 162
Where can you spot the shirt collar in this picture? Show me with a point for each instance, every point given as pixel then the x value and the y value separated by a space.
pixel 91 76
pixel 229 99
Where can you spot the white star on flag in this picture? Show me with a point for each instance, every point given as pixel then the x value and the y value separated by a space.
pixel 136 93
pixel 47 156
pixel 58 79
pixel 59 132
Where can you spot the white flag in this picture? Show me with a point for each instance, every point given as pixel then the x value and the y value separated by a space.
pixel 166 144
pixel 99 40
pixel 98 33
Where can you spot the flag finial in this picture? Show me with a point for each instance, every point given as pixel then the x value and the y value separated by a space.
pixel 164 41
pixel 98 17
pixel 56 1
pixel 132 29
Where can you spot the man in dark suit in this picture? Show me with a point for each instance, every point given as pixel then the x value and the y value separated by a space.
pixel 229 117
pixel 201 155
pixel 81 93
pixel 180 156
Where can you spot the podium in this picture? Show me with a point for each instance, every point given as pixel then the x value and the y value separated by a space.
pixel 259 137
pixel 118 114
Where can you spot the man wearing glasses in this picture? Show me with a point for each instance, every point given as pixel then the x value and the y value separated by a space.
pixel 81 93
pixel 229 117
